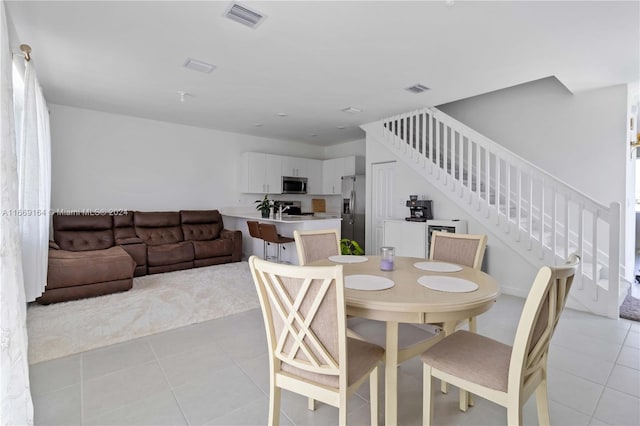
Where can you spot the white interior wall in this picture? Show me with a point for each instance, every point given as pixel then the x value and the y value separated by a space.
pixel 580 138
pixel 109 161
pixel 357 147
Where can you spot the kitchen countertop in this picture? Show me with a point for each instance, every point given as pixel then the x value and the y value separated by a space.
pixel 286 218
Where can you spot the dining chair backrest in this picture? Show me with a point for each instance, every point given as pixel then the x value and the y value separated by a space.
pixel 313 245
pixel 254 228
pixel 545 302
pixel 304 316
pixel 461 249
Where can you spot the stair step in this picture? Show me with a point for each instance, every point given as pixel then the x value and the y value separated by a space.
pixel 587 270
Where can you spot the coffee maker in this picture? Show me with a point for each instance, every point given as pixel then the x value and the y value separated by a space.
pixel 420 209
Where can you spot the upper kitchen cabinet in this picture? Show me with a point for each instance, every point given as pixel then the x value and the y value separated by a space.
pixel 304 167
pixel 335 168
pixel 332 176
pixel 260 173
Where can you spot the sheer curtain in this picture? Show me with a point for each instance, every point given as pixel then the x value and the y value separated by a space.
pixel 16 407
pixel 34 187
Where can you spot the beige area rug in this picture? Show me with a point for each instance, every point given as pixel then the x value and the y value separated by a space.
pixel 156 303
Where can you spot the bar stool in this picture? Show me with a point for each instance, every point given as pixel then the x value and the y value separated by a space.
pixel 269 234
pixel 254 231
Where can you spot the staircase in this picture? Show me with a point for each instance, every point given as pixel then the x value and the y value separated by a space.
pixel 540 217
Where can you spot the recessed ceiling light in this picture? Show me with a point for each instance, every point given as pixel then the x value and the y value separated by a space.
pixel 341 127
pixel 282 114
pixel 196 65
pixel 351 110
pixel 417 88
pixel 244 15
pixel 258 125
pixel 313 135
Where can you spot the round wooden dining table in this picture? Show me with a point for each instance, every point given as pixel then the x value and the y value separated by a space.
pixel 410 302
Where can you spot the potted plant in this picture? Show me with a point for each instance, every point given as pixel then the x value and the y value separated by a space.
pixel 348 246
pixel 264 206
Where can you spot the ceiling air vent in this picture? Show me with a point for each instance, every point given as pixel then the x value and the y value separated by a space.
pixel 196 65
pixel 417 88
pixel 244 15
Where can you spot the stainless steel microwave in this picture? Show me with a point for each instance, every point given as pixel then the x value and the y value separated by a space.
pixel 294 185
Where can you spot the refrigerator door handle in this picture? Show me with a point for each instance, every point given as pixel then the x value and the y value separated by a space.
pixel 352 206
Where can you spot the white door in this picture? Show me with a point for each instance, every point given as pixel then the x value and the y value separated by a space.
pixel 381 200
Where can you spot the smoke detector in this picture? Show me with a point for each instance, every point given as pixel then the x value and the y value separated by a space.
pixel 244 15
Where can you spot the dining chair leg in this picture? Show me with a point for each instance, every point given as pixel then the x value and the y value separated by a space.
pixel 542 402
pixel 342 410
pixel 373 396
pixel 448 328
pixel 473 325
pixel 274 406
pixel 311 404
pixel 514 413
pixel 427 396
pixel 464 400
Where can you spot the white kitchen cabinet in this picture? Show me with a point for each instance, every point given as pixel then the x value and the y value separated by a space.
pixel 332 172
pixel 260 173
pixel 334 168
pixel 313 170
pixel 408 238
pixel 304 167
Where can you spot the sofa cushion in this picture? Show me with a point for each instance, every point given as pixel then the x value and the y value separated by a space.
pixel 213 248
pixel 168 254
pixel 67 268
pixel 123 228
pixel 83 232
pixel 158 228
pixel 201 225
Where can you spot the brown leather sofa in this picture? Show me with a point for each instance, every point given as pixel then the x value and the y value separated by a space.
pixel 93 255
pixel 84 260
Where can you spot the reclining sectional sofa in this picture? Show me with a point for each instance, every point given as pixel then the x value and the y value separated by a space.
pixel 93 255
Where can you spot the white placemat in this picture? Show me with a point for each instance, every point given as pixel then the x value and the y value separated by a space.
pixel 367 282
pixel 448 284
pixel 348 258
pixel 438 266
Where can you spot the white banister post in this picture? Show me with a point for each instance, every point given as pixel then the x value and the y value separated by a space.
pixel 614 260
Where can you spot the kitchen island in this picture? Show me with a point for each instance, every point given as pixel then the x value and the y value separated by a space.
pixel 286 225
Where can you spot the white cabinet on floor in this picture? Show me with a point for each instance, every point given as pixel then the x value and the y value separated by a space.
pixel 408 238
pixel 412 238
pixel 260 173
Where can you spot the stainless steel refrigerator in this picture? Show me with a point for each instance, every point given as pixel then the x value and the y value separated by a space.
pixel 353 208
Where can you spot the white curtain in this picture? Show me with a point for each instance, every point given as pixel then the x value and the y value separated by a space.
pixel 16 407
pixel 34 183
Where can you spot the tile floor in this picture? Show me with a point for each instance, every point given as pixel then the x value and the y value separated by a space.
pixel 215 373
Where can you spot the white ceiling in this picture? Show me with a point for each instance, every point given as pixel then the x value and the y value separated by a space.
pixel 311 59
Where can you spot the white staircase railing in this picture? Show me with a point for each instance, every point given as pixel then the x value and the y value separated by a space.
pixel 534 213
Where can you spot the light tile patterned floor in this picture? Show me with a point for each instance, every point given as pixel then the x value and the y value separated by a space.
pixel 215 373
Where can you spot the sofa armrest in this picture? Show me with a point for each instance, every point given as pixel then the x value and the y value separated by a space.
pixel 53 245
pixel 128 240
pixel 236 237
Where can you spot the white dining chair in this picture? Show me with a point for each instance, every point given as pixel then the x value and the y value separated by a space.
pixel 316 244
pixel 506 375
pixel 309 352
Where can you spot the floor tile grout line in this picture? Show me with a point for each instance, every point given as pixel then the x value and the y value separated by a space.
pixel 171 388
pixel 282 412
